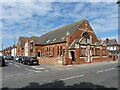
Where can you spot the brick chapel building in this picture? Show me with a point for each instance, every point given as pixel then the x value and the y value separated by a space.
pixel 75 43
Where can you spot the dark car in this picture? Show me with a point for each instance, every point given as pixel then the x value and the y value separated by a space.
pixel 21 59
pixel 10 58
pixel 6 57
pixel 16 58
pixel 2 61
pixel 30 61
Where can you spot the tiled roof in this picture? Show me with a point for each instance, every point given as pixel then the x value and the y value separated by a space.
pixel 76 41
pixel 111 42
pixel 22 40
pixel 57 35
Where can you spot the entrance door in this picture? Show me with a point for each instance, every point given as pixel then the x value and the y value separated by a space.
pixel 72 55
pixel 38 54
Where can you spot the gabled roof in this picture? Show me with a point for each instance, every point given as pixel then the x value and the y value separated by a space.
pixel 57 35
pixel 22 40
pixel 76 41
pixel 111 42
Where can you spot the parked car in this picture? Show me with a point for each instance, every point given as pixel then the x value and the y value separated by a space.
pixel 21 59
pixel 6 57
pixel 2 61
pixel 30 60
pixel 10 58
pixel 16 58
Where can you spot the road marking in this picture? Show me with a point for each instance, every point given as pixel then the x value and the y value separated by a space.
pixel 72 77
pixel 28 69
pixel 46 71
pixel 17 65
pixel 29 73
pixel 37 68
pixel 19 74
pixel 32 70
pixel 9 76
pixel 38 71
pixel 105 70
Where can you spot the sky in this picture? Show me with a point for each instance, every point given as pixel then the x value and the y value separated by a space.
pixel 36 18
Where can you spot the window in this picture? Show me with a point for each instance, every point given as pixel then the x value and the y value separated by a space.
pixel 31 45
pixel 83 52
pixel 49 51
pixel 104 52
pixel 97 52
pixel 55 39
pixel 93 52
pixel 47 41
pixel 60 50
pixel 63 52
pixel 88 41
pixel 87 37
pixel 57 50
pixel 63 38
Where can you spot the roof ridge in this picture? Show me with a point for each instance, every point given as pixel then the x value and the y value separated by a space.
pixel 63 27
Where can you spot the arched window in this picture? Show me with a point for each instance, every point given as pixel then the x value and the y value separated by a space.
pixel 87 37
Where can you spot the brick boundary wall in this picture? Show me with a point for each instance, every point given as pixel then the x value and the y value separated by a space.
pixel 58 60
pixel 50 60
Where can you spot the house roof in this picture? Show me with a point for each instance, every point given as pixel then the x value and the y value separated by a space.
pixel 57 35
pixel 22 40
pixel 111 42
pixel 76 41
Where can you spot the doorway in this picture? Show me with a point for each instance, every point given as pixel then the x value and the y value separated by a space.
pixel 72 55
pixel 38 54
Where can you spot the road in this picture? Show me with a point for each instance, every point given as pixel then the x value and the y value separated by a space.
pixel 96 75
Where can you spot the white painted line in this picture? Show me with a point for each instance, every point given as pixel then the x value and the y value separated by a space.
pixel 80 75
pixel 17 65
pixel 38 71
pixel 19 74
pixel 105 70
pixel 28 69
pixel 46 71
pixel 71 77
pixel 29 73
pixel 10 63
pixel 9 76
pixel 32 70
pixel 37 67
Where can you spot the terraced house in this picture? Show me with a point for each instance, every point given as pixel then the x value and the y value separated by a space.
pixel 20 46
pixel 75 43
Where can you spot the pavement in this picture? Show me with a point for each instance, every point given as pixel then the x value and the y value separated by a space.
pixel 60 67
pixel 94 75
